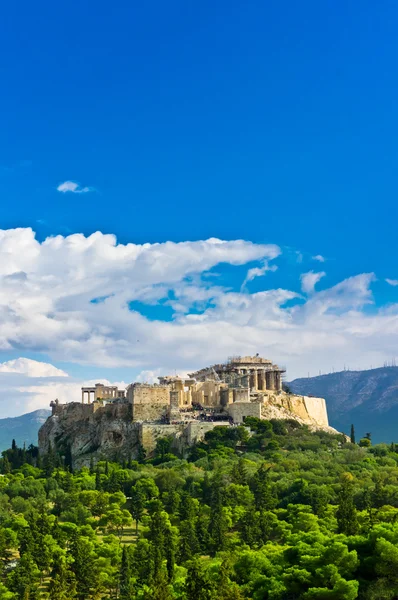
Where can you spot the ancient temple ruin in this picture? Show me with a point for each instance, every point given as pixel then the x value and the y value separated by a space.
pixel 183 407
pixel 247 380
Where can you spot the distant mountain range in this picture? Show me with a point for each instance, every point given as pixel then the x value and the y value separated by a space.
pixel 368 399
pixel 22 429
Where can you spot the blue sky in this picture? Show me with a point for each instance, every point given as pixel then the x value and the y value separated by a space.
pixel 273 123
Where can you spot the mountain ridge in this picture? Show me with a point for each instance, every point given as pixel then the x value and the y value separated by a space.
pixel 23 429
pixel 368 399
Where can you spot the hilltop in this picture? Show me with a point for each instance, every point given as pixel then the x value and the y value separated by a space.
pixel 369 399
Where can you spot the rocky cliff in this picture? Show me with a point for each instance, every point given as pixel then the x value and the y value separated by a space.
pixel 85 431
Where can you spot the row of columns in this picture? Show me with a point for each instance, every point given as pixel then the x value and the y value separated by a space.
pixel 262 379
pixel 88 392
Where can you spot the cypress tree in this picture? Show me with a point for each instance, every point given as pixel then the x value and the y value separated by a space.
pixel 83 567
pixel 98 485
pixel 125 575
pixel 217 525
pixel 264 494
pixel 352 434
pixel 197 584
pixel 62 583
pixel 170 553
pixel 137 506
pixel 346 512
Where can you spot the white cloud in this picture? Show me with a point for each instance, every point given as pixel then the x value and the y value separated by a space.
pixel 72 186
pixel 257 272
pixel 31 368
pixel 309 281
pixel 46 305
pixel 393 282
pixel 30 384
pixel 319 258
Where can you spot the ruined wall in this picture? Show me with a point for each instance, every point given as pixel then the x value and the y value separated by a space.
pixel 150 402
pixel 239 410
pixel 151 432
pixel 207 393
pixel 196 430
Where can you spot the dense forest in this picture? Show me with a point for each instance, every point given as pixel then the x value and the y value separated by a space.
pixel 268 510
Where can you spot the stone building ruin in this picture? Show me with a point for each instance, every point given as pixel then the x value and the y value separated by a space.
pixel 109 420
pixel 242 386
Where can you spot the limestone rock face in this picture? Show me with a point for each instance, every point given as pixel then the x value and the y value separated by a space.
pixel 87 431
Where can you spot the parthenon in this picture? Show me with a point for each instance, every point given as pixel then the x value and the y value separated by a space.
pixel 253 372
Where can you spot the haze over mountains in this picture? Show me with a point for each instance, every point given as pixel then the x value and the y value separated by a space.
pixel 22 429
pixel 368 399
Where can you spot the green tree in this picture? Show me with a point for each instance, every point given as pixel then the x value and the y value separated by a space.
pixel 83 566
pixel 24 579
pixel 346 514
pixel 137 505
pixel 197 584
pixel 352 434
pixel 125 575
pixel 264 493
pixel 62 584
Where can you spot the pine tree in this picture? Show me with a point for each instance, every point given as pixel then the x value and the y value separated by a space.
pixel 352 434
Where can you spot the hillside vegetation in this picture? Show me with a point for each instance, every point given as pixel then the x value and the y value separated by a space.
pixel 267 511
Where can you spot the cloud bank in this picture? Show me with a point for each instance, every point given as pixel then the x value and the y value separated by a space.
pixel 85 300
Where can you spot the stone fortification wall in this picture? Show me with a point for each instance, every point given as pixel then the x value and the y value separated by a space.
pixel 151 432
pixel 239 410
pixel 150 402
pixel 196 430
